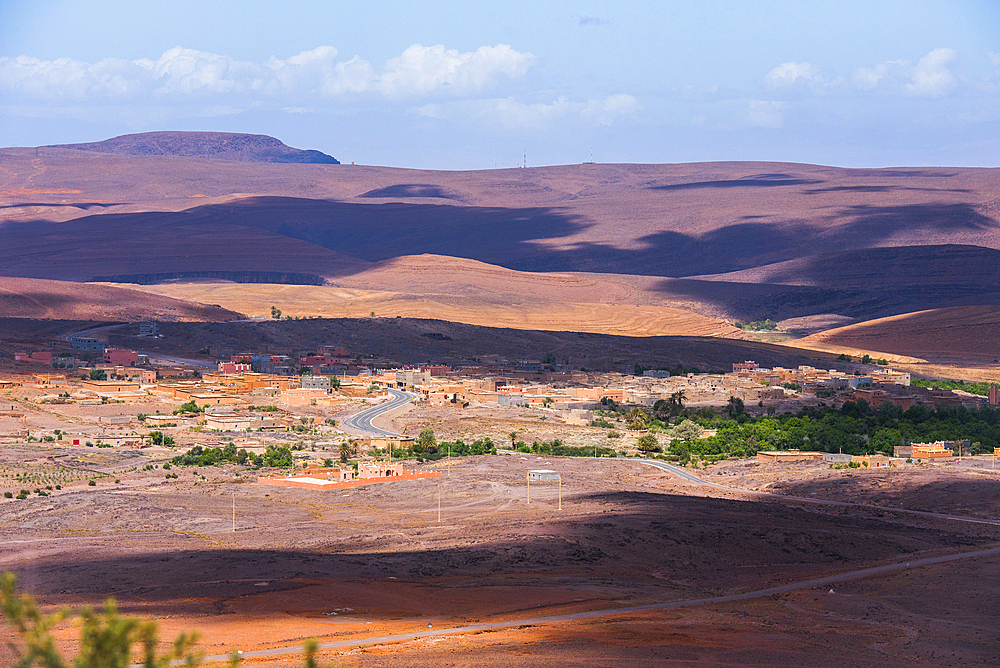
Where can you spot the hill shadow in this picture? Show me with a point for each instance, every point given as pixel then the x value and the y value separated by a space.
pixel 260 238
pixel 709 544
pixel 864 283
pixel 412 190
pixel 754 181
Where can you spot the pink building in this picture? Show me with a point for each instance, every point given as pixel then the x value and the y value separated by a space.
pixel 38 356
pixel 120 357
pixel 234 367
pixel 379 470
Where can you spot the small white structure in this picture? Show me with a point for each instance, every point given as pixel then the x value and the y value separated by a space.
pixel 542 475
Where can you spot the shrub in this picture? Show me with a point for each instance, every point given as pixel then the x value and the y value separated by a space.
pixel 91 483
pixel 8 495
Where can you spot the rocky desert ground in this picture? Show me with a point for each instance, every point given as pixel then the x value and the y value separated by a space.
pixel 374 560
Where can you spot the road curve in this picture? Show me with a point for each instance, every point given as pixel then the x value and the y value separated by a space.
pixel 363 421
pixel 474 628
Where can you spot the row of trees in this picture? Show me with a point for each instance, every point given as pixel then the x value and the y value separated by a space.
pixel 275 456
pixel 855 428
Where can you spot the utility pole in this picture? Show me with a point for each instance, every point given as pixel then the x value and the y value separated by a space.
pixel 529 488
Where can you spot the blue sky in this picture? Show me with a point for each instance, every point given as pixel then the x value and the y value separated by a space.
pixel 459 85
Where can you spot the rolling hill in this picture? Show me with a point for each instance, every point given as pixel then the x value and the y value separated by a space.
pixel 723 241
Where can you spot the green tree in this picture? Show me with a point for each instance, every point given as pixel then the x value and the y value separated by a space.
pixel 550 358
pixel 188 407
pixel 278 457
pixel 98 374
pixel 735 406
pixel 425 441
pixel 513 437
pixel 106 638
pixel 637 419
pixel 347 449
pixel 275 313
pixel 647 443
pixel 687 430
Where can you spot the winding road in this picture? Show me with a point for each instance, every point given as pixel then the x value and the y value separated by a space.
pixel 363 421
pixel 203 364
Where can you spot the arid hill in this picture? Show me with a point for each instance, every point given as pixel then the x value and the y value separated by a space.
pixel 208 145
pixel 61 300
pixel 471 292
pixel 737 241
pixel 960 333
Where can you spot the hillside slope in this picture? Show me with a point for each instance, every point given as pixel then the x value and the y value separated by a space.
pixel 59 300
pixel 210 145
pixel 732 240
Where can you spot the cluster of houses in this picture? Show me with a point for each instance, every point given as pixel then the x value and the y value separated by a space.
pixel 314 477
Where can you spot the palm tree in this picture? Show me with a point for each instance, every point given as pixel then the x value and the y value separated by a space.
pixel 637 419
pixel 513 438
pixel 347 450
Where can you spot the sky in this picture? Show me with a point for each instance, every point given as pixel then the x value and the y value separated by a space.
pixel 463 85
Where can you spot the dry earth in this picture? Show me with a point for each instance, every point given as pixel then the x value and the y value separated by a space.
pixel 627 534
pixel 469 292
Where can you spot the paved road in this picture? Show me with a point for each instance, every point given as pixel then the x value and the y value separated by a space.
pixel 473 628
pixel 363 421
pixel 90 331
pixel 168 358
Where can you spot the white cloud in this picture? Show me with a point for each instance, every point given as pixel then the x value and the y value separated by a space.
pixel 868 78
pixel 422 69
pixel 787 74
pixel 184 73
pixel 510 113
pixel 930 77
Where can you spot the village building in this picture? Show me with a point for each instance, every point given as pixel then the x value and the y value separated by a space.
pixel 784 456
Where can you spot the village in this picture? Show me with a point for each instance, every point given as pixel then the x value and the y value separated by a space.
pixel 87 393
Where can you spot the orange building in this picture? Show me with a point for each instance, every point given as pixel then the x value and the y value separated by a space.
pixel 929 451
